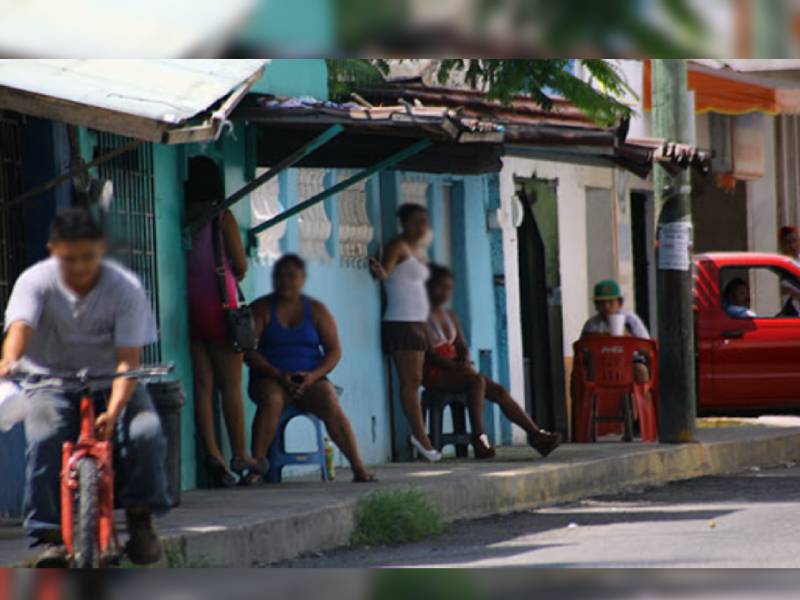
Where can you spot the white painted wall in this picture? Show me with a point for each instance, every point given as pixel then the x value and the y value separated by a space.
pixel 762 220
pixel 576 280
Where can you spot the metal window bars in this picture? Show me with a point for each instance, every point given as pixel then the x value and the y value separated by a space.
pixel 131 218
pixel 12 240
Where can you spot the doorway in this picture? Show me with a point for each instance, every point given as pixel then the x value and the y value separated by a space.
pixel 643 245
pixel 540 302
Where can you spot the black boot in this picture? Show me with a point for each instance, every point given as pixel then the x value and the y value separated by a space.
pixel 143 547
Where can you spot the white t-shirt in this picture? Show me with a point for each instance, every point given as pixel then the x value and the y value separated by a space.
pixel 633 325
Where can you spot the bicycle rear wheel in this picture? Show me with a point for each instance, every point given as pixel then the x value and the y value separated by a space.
pixel 86 555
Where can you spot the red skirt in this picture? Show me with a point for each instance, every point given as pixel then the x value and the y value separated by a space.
pixel 445 351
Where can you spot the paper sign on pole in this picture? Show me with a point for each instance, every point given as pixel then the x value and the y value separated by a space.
pixel 674 246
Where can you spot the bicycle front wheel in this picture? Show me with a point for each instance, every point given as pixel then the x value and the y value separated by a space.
pixel 86 554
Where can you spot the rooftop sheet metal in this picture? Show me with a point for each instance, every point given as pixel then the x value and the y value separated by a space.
pixel 120 28
pixel 563 133
pixel 170 91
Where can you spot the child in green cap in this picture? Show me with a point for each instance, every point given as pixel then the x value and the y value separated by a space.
pixel 608 300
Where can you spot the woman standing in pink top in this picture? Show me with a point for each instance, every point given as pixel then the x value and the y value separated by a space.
pixel 214 360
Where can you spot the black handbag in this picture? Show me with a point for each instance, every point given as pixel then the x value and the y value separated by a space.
pixel 239 322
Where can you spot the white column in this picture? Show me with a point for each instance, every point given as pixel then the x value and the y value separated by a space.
pixel 762 219
pixel 355 230
pixel 265 203
pixel 314 225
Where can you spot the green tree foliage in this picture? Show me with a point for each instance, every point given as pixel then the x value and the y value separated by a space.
pixel 652 28
pixel 504 28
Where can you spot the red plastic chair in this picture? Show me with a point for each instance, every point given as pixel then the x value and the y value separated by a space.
pixel 606 399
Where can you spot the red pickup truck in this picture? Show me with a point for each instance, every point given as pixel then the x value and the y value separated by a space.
pixel 748 354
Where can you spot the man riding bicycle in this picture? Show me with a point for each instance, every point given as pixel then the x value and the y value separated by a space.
pixel 78 310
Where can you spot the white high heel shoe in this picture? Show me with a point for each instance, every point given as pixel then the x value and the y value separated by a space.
pixel 430 455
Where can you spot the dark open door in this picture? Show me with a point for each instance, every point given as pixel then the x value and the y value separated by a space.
pixel 642 224
pixel 540 303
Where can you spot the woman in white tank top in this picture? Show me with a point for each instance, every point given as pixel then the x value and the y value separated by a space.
pixel 404 273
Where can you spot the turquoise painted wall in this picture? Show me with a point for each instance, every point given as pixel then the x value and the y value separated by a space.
pixel 294 77
pixel 472 264
pixel 171 255
pixel 353 298
pixel 277 24
pixel 472 248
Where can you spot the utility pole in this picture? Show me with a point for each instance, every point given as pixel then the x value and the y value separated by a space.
pixel 672 120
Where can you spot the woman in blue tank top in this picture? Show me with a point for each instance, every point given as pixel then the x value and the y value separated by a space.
pixel 298 347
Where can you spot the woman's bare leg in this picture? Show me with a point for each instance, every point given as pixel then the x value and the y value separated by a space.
pixel 513 411
pixel 321 400
pixel 409 369
pixel 543 441
pixel 228 367
pixel 271 398
pixel 203 377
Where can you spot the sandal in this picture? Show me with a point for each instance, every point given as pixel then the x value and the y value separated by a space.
pixel 241 467
pixel 544 442
pixel 365 477
pixel 219 474
pixel 481 446
pixel 251 479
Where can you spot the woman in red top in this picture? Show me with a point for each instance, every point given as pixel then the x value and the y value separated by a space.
pixel 448 368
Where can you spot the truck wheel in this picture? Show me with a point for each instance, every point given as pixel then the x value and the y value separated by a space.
pixel 627 434
pixel 86 526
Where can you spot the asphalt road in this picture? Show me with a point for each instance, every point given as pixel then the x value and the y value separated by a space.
pixel 746 520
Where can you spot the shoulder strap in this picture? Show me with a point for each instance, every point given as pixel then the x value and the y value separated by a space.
pixel 219 265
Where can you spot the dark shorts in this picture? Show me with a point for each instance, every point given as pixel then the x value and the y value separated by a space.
pixel 405 335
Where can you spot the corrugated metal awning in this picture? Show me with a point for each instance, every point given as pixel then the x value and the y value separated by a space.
pixel 167 101
pixel 562 133
pixel 458 144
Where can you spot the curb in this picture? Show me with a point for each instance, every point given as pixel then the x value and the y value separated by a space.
pixel 331 526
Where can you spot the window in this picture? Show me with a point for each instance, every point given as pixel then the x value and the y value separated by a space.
pixel 131 217
pixel 12 243
pixel 749 292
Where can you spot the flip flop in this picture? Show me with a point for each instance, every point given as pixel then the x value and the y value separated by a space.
pixel 251 479
pixel 362 478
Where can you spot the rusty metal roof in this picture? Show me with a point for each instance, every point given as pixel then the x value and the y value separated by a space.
pixel 563 133
pixel 427 121
pixel 460 144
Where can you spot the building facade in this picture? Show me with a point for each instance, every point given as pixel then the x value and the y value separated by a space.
pixel 146 218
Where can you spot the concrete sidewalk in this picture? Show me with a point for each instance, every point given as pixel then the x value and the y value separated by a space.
pixel 258 526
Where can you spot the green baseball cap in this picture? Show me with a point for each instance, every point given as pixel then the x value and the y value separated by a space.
pixel 608 289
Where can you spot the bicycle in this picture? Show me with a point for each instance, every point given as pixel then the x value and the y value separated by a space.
pixel 87 469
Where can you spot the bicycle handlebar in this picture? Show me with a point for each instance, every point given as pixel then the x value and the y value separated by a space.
pixel 36 375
